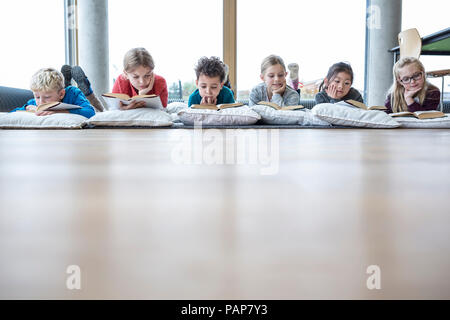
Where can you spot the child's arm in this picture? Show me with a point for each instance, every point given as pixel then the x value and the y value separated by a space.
pixel 387 104
pixel 30 102
pixel 76 97
pixel 254 97
pixel 431 102
pixel 321 97
pixel 228 96
pixel 194 98
pixel 277 95
pixel 117 87
pixel 161 91
pixel 355 95
pixel 291 98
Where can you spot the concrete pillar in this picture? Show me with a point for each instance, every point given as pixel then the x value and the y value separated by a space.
pixel 384 22
pixel 93 43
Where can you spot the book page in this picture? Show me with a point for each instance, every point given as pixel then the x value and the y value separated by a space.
pixel 270 104
pixel 144 96
pixel 112 102
pixel 204 106
pixel 229 105
pixel 296 107
pixel 402 114
pixel 51 106
pixel 122 96
pixel 64 106
pixel 150 102
pixel 429 114
pixel 357 104
pixel 377 108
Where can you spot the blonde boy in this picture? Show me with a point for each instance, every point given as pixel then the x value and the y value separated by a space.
pixel 48 86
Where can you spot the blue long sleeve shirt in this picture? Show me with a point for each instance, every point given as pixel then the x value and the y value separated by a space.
pixel 73 96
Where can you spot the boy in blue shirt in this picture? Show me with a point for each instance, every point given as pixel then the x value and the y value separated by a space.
pixel 48 86
pixel 211 75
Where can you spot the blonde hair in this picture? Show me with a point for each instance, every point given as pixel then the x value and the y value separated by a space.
pixel 47 79
pixel 271 61
pixel 398 102
pixel 137 57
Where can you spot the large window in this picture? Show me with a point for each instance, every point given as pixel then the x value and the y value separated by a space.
pixel 32 38
pixel 176 33
pixel 314 34
pixel 429 17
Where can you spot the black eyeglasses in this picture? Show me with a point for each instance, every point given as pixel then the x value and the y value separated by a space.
pixel 415 77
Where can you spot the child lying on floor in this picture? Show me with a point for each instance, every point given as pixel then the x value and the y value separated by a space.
pixel 48 86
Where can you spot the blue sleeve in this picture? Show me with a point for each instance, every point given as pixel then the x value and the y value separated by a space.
pixel 228 96
pixel 76 97
pixel 225 96
pixel 194 98
pixel 30 102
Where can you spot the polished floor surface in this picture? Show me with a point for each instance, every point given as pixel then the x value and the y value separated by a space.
pixel 225 214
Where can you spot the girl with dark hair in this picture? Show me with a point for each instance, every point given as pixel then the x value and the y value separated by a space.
pixel 337 85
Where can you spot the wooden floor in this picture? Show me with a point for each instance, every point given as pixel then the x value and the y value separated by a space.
pixel 144 219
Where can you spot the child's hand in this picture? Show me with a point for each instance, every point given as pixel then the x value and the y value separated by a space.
pixel 209 100
pixel 410 94
pixel 133 105
pixel 281 90
pixel 332 91
pixel 31 108
pixel 150 86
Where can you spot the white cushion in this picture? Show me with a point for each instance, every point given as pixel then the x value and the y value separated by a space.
pixel 302 117
pixel 230 116
pixel 347 115
pixel 174 107
pixel 23 119
pixel 135 117
pixel 436 123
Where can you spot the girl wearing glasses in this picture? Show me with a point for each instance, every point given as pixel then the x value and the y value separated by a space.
pixel 410 90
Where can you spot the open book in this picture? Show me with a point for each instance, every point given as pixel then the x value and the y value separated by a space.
pixel 217 107
pixel 363 106
pixel 277 107
pixel 53 106
pixel 113 100
pixel 429 114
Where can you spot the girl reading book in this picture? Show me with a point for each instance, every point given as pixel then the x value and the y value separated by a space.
pixel 410 91
pixel 274 88
pixel 138 78
pixel 337 85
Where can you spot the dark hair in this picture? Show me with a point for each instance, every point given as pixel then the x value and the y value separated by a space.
pixel 211 67
pixel 335 69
